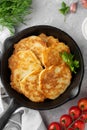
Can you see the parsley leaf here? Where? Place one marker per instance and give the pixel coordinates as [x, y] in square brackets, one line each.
[68, 58]
[64, 8]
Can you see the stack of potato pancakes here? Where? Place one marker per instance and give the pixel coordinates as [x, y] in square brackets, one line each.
[37, 69]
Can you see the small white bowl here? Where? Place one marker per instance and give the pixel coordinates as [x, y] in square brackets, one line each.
[84, 28]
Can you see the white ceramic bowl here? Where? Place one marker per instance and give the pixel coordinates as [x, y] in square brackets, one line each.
[84, 28]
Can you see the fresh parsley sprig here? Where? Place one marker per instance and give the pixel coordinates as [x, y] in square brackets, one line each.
[12, 12]
[64, 8]
[68, 58]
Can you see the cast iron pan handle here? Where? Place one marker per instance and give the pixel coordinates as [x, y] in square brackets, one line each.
[6, 115]
[13, 104]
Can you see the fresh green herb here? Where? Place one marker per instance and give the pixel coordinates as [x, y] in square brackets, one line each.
[64, 8]
[12, 12]
[69, 59]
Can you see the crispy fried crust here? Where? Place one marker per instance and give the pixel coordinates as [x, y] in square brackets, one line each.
[51, 55]
[34, 43]
[49, 40]
[21, 64]
[30, 87]
[55, 80]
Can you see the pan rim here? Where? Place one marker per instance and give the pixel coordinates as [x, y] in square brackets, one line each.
[50, 106]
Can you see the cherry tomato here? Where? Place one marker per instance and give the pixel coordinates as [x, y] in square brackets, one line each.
[54, 126]
[74, 112]
[65, 120]
[79, 125]
[82, 104]
[84, 116]
[70, 129]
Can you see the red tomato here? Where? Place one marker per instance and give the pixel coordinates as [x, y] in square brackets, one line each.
[79, 125]
[54, 126]
[70, 129]
[82, 103]
[84, 116]
[74, 112]
[65, 120]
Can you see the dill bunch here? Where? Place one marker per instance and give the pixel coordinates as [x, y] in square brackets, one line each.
[12, 12]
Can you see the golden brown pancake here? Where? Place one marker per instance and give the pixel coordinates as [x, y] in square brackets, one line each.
[49, 40]
[34, 43]
[30, 87]
[54, 80]
[52, 41]
[51, 55]
[43, 37]
[21, 64]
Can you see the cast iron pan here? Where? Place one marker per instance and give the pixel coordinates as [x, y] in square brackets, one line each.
[19, 100]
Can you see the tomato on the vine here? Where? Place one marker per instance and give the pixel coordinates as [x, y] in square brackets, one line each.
[74, 112]
[82, 103]
[84, 116]
[74, 120]
[65, 120]
[54, 126]
[79, 125]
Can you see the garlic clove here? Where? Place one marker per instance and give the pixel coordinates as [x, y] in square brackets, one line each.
[73, 7]
[84, 3]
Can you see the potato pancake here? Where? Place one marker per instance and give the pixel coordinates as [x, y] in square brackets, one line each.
[51, 55]
[21, 64]
[31, 89]
[54, 80]
[49, 40]
[34, 43]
